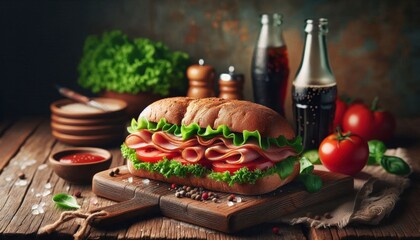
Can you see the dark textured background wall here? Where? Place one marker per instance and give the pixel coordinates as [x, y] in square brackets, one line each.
[374, 45]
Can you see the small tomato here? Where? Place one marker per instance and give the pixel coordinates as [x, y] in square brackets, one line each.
[344, 153]
[340, 109]
[369, 123]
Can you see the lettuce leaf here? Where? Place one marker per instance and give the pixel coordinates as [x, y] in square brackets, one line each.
[238, 139]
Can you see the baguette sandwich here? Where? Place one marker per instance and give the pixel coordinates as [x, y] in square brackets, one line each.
[222, 145]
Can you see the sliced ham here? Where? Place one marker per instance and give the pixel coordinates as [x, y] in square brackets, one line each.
[140, 139]
[215, 149]
[232, 156]
[171, 142]
[193, 154]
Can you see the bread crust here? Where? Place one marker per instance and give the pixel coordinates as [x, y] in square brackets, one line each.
[261, 186]
[238, 115]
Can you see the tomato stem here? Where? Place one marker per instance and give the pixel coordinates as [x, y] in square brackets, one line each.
[341, 136]
[374, 105]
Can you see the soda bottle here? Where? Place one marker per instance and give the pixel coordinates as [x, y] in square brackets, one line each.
[314, 89]
[270, 65]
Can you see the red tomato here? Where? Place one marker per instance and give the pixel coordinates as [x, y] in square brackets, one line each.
[153, 155]
[369, 124]
[258, 164]
[346, 154]
[340, 109]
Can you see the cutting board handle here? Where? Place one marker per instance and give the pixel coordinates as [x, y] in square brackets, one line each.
[123, 211]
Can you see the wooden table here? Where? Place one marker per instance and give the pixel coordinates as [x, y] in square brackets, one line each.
[26, 143]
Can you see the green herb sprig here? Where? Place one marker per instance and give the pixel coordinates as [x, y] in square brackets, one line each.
[391, 164]
[65, 201]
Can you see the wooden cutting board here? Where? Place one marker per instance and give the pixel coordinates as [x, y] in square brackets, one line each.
[141, 197]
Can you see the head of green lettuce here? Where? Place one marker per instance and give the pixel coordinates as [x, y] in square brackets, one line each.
[114, 62]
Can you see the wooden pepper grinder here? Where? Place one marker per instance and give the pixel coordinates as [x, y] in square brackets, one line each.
[231, 84]
[201, 80]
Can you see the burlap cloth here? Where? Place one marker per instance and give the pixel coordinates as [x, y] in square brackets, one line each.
[375, 195]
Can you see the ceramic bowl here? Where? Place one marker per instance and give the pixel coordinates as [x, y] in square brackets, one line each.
[80, 173]
[118, 108]
[95, 140]
[121, 120]
[87, 130]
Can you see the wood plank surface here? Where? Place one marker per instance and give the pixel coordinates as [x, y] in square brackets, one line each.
[13, 137]
[30, 139]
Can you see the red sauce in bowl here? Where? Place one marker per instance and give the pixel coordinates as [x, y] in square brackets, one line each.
[81, 158]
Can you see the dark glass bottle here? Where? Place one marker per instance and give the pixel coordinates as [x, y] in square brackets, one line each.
[314, 89]
[270, 65]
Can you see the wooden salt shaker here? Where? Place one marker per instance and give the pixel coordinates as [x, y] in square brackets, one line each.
[231, 84]
[201, 79]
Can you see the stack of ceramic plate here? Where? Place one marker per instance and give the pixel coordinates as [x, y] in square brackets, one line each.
[81, 125]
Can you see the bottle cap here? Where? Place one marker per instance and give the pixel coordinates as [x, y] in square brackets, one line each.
[322, 25]
[231, 76]
[276, 18]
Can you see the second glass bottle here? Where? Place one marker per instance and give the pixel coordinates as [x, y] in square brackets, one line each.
[270, 65]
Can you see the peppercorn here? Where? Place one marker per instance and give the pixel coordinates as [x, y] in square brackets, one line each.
[327, 215]
[112, 173]
[173, 186]
[117, 171]
[205, 196]
[231, 197]
[78, 194]
[21, 175]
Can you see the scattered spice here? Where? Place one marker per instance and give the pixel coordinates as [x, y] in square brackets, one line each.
[230, 203]
[275, 230]
[231, 198]
[112, 173]
[21, 175]
[42, 166]
[198, 194]
[144, 181]
[130, 179]
[117, 171]
[78, 194]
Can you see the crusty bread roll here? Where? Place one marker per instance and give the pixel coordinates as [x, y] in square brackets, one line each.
[237, 115]
[261, 186]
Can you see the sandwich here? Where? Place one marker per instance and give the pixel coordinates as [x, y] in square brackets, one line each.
[221, 145]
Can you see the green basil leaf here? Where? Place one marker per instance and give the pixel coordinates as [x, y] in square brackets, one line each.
[395, 165]
[286, 167]
[313, 183]
[312, 156]
[65, 201]
[306, 166]
[376, 151]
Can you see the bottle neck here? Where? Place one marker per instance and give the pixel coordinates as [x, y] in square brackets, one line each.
[315, 68]
[270, 36]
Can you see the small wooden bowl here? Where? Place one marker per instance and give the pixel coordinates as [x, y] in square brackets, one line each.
[56, 108]
[79, 173]
[96, 140]
[87, 130]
